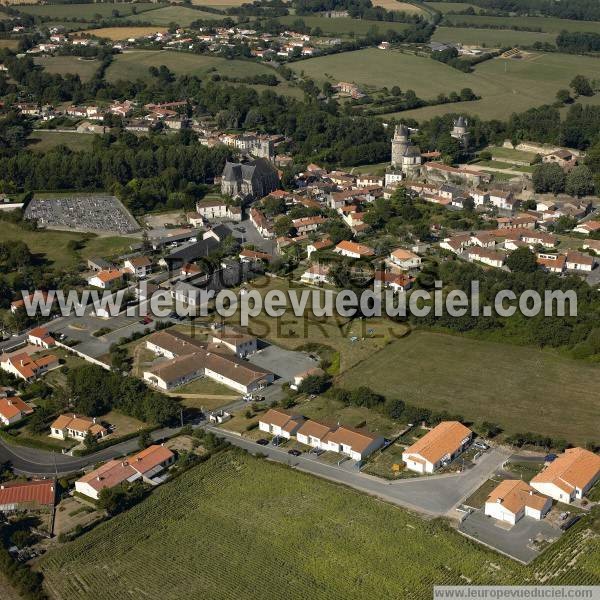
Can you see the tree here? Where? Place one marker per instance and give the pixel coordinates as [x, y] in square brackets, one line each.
[314, 384]
[580, 181]
[89, 441]
[395, 408]
[144, 440]
[564, 96]
[548, 177]
[283, 226]
[581, 86]
[521, 260]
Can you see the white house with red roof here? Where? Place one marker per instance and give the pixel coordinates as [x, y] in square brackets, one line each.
[13, 409]
[24, 367]
[354, 250]
[280, 423]
[140, 266]
[40, 336]
[27, 495]
[106, 279]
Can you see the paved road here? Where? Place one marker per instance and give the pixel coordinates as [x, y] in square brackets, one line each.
[435, 495]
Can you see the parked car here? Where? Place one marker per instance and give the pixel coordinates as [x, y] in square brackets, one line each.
[262, 442]
[480, 445]
[294, 452]
[550, 457]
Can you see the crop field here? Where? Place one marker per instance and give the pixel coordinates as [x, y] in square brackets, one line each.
[506, 86]
[124, 33]
[134, 65]
[344, 26]
[68, 64]
[490, 38]
[445, 7]
[546, 24]
[237, 526]
[42, 141]
[399, 6]
[520, 388]
[10, 44]
[181, 15]
[85, 11]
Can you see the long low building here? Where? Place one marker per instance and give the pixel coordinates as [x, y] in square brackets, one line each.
[437, 447]
[570, 476]
[144, 465]
[27, 495]
[190, 359]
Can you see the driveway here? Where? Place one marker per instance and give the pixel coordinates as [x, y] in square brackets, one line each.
[286, 364]
[513, 541]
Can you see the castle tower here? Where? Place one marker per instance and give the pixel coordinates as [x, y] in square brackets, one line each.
[400, 142]
[460, 131]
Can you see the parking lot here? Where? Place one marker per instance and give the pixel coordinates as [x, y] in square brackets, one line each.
[520, 541]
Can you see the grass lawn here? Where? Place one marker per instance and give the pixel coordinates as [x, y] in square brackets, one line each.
[445, 7]
[331, 338]
[506, 86]
[181, 15]
[134, 65]
[84, 11]
[123, 424]
[398, 6]
[52, 245]
[205, 385]
[477, 498]
[42, 141]
[510, 155]
[239, 526]
[343, 26]
[524, 470]
[375, 169]
[69, 64]
[491, 38]
[520, 388]
[546, 24]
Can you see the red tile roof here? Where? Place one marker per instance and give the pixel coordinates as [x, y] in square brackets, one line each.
[40, 492]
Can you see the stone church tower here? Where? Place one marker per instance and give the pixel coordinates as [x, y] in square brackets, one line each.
[460, 131]
[406, 156]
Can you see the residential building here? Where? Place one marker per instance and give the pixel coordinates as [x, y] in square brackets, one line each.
[140, 266]
[315, 274]
[492, 258]
[355, 443]
[13, 409]
[280, 423]
[215, 208]
[252, 256]
[576, 261]
[502, 199]
[313, 433]
[563, 158]
[553, 263]
[587, 227]
[405, 259]
[514, 499]
[106, 279]
[146, 466]
[308, 224]
[319, 245]
[31, 299]
[354, 250]
[24, 367]
[258, 219]
[570, 476]
[398, 282]
[40, 336]
[437, 447]
[519, 221]
[38, 494]
[76, 427]
[186, 294]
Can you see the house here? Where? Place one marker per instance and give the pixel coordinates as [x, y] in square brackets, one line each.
[319, 245]
[40, 336]
[405, 259]
[587, 227]
[106, 279]
[593, 245]
[195, 219]
[24, 367]
[140, 266]
[258, 219]
[553, 263]
[186, 294]
[27, 495]
[13, 409]
[457, 243]
[37, 296]
[247, 255]
[212, 208]
[308, 224]
[355, 443]
[300, 377]
[514, 499]
[503, 200]
[492, 258]
[437, 447]
[280, 423]
[483, 240]
[99, 264]
[145, 465]
[536, 237]
[563, 158]
[76, 427]
[353, 250]
[570, 476]
[398, 282]
[576, 261]
[527, 221]
[241, 344]
[315, 274]
[313, 433]
[480, 197]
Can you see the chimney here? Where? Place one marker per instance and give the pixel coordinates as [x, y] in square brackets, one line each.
[94, 420]
[499, 500]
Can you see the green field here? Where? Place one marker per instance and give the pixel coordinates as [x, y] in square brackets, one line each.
[181, 15]
[134, 65]
[237, 527]
[490, 38]
[42, 141]
[10, 44]
[520, 388]
[509, 154]
[84, 11]
[52, 245]
[344, 26]
[546, 24]
[68, 64]
[445, 7]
